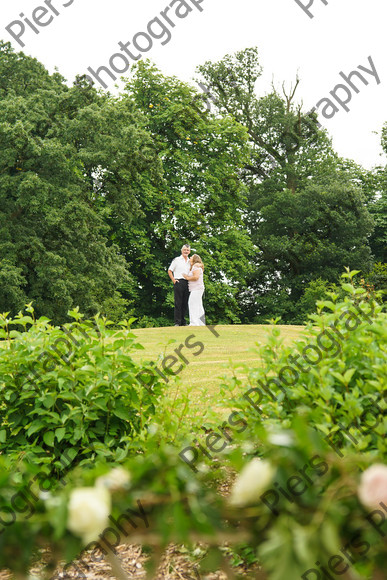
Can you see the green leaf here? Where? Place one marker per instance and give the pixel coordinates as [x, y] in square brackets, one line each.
[122, 413]
[25, 320]
[329, 536]
[60, 433]
[48, 438]
[348, 288]
[348, 375]
[35, 426]
[121, 454]
[49, 401]
[89, 368]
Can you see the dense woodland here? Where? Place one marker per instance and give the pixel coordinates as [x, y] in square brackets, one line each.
[98, 193]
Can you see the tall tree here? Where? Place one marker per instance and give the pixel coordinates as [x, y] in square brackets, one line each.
[201, 202]
[71, 162]
[378, 207]
[373, 183]
[306, 218]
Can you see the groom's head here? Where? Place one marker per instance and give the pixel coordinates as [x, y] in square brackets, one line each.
[185, 250]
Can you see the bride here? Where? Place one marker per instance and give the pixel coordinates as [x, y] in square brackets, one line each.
[196, 289]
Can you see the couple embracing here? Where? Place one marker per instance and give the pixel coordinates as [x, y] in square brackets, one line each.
[187, 277]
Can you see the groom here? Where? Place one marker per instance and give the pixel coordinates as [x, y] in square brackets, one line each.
[178, 267]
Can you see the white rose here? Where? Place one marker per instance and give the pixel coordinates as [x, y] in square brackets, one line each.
[88, 511]
[251, 482]
[118, 478]
[373, 486]
[284, 439]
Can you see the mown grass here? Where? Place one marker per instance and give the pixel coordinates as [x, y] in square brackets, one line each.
[200, 379]
[204, 373]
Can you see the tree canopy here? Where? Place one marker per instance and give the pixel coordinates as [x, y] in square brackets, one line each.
[98, 193]
[306, 217]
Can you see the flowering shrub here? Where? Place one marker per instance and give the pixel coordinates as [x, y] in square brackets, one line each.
[88, 512]
[253, 480]
[298, 505]
[308, 498]
[373, 488]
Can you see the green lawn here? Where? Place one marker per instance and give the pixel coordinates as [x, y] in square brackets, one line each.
[203, 373]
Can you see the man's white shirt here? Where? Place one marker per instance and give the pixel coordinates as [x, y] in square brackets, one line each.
[179, 267]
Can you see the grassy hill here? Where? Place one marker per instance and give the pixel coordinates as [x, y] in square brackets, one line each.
[208, 358]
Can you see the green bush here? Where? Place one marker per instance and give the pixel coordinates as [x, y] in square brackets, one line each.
[298, 505]
[376, 279]
[317, 290]
[335, 375]
[11, 283]
[72, 388]
[314, 291]
[151, 322]
[285, 531]
[115, 308]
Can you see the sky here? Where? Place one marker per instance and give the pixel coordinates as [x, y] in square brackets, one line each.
[314, 39]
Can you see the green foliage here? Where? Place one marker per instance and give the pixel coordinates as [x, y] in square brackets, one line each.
[321, 513]
[334, 376]
[287, 146]
[314, 291]
[373, 183]
[11, 284]
[151, 322]
[71, 168]
[319, 473]
[302, 236]
[21, 75]
[306, 210]
[98, 193]
[376, 279]
[378, 210]
[71, 389]
[242, 555]
[201, 201]
[181, 506]
[177, 506]
[115, 307]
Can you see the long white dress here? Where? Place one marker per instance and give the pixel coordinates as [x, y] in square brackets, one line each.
[195, 301]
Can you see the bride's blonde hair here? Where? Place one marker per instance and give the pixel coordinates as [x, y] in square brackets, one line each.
[196, 259]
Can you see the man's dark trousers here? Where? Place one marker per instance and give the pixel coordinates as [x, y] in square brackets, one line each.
[181, 294]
